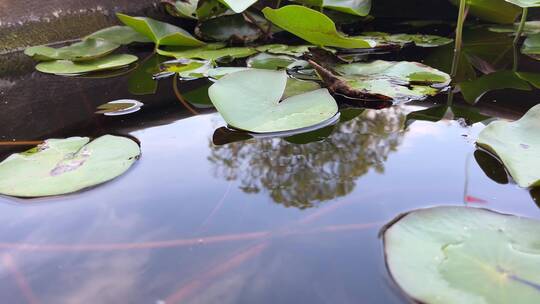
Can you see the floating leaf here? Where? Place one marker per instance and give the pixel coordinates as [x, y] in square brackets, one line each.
[273, 62]
[525, 3]
[250, 100]
[398, 81]
[238, 6]
[312, 26]
[283, 49]
[182, 8]
[209, 52]
[353, 7]
[65, 67]
[517, 144]
[120, 35]
[185, 68]
[531, 27]
[60, 166]
[228, 28]
[420, 40]
[464, 255]
[160, 33]
[473, 90]
[81, 51]
[119, 107]
[531, 46]
[498, 11]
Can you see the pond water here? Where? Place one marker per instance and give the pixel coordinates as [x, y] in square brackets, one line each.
[263, 220]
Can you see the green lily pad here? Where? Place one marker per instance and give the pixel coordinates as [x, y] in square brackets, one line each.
[517, 144]
[228, 28]
[65, 67]
[81, 51]
[531, 46]
[250, 101]
[525, 3]
[272, 62]
[60, 166]
[353, 7]
[119, 107]
[238, 6]
[283, 49]
[464, 255]
[312, 26]
[182, 8]
[160, 33]
[531, 27]
[420, 40]
[473, 90]
[208, 52]
[498, 11]
[120, 35]
[398, 81]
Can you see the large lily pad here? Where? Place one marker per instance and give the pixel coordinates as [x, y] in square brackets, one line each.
[208, 52]
[498, 11]
[250, 101]
[66, 67]
[160, 33]
[312, 26]
[283, 49]
[525, 3]
[531, 27]
[517, 144]
[229, 28]
[464, 255]
[353, 7]
[398, 81]
[120, 35]
[60, 166]
[80, 51]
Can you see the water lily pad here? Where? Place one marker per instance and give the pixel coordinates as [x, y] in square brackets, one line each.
[291, 50]
[498, 11]
[517, 144]
[531, 46]
[60, 166]
[531, 27]
[398, 81]
[209, 52]
[160, 33]
[353, 7]
[65, 67]
[182, 8]
[250, 101]
[464, 255]
[473, 90]
[238, 6]
[228, 28]
[273, 62]
[312, 26]
[80, 51]
[119, 107]
[420, 40]
[120, 35]
[525, 3]
[185, 68]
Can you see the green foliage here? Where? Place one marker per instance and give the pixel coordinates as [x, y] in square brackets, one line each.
[70, 68]
[60, 166]
[517, 145]
[250, 100]
[464, 255]
[81, 51]
[312, 26]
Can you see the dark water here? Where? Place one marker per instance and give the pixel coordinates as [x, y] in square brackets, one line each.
[256, 221]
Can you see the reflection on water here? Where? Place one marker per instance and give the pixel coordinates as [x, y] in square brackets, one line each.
[303, 175]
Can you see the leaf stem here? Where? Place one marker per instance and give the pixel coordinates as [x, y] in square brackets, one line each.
[519, 32]
[459, 37]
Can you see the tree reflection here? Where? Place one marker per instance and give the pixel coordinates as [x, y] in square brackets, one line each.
[303, 175]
